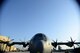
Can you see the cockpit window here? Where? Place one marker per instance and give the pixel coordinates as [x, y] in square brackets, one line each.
[40, 36]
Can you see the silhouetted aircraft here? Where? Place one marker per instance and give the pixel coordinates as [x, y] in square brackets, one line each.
[40, 44]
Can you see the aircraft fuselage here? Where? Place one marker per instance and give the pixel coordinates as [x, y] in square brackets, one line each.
[40, 44]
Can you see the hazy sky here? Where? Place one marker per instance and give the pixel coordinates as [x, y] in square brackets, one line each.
[57, 19]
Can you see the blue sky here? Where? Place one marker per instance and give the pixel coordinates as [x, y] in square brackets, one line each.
[57, 19]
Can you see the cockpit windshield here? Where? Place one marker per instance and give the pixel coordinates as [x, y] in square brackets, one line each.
[40, 36]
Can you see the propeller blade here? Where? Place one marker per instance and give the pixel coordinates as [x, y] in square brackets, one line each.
[53, 41]
[56, 40]
[71, 39]
[12, 39]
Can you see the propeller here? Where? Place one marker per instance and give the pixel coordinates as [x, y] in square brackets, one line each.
[55, 43]
[71, 43]
[9, 41]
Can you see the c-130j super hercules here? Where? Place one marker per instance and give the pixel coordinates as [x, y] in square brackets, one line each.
[40, 44]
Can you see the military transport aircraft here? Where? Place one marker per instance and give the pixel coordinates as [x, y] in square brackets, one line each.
[41, 44]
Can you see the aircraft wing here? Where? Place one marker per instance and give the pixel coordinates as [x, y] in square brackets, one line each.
[3, 42]
[14, 43]
[70, 44]
[19, 43]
